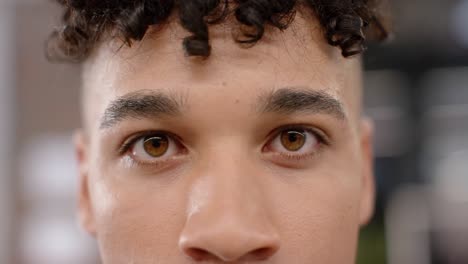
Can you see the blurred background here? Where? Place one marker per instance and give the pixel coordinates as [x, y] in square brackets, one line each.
[416, 91]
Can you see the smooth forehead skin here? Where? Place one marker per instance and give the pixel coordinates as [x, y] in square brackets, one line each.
[298, 56]
[225, 200]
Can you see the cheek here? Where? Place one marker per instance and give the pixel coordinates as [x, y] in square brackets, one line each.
[136, 218]
[319, 212]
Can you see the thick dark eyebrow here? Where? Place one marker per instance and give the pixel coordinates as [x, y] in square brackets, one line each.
[138, 105]
[289, 101]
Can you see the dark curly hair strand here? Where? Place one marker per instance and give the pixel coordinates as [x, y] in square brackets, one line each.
[345, 22]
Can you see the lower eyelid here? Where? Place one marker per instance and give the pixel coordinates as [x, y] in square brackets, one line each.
[130, 162]
[288, 160]
[301, 155]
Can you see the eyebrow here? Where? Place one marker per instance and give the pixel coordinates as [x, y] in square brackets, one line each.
[287, 101]
[141, 104]
[293, 100]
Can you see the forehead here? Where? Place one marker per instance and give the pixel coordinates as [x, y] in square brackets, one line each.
[296, 57]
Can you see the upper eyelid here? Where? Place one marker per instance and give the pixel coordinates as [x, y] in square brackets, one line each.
[322, 136]
[131, 140]
[124, 146]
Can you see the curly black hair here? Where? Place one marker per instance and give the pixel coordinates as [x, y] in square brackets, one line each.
[345, 22]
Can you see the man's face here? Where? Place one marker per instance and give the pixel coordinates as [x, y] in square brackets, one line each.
[250, 155]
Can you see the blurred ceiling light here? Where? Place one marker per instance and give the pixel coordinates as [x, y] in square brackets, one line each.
[386, 103]
[48, 169]
[451, 179]
[407, 225]
[53, 240]
[460, 22]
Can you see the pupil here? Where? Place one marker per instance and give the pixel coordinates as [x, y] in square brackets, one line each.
[156, 146]
[293, 140]
[156, 142]
[293, 136]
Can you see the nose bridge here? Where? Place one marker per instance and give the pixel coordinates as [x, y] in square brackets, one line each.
[226, 215]
[228, 168]
[230, 171]
[226, 188]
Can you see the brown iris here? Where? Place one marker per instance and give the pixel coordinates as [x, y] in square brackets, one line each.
[156, 146]
[293, 140]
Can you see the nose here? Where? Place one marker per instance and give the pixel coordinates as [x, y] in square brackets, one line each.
[228, 246]
[228, 221]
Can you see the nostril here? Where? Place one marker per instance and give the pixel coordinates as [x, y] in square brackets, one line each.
[229, 247]
[261, 253]
[198, 254]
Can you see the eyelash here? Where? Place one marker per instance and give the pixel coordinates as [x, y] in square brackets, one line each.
[322, 138]
[128, 144]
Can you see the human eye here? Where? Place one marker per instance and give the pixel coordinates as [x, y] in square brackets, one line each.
[152, 148]
[295, 143]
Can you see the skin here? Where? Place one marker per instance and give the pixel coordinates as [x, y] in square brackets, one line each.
[230, 194]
